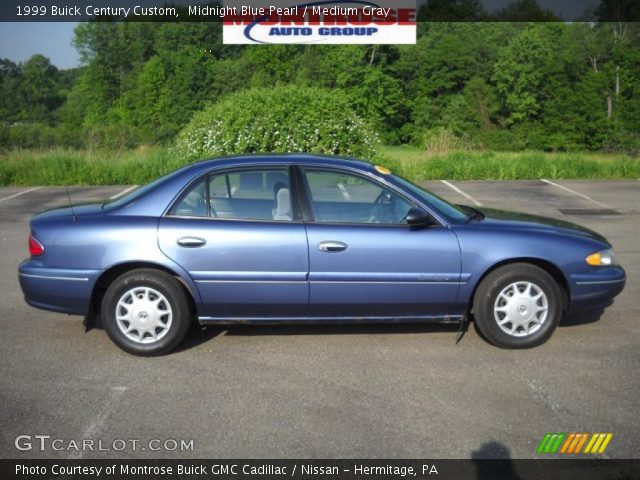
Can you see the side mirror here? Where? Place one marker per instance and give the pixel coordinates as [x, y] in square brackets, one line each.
[417, 217]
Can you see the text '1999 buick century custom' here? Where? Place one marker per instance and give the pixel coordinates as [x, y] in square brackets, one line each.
[302, 238]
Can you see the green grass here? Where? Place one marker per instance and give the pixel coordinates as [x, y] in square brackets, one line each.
[84, 167]
[417, 164]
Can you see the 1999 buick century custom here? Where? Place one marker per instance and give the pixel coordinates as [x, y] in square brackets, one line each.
[301, 238]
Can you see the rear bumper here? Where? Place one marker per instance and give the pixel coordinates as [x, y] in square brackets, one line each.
[55, 289]
[596, 289]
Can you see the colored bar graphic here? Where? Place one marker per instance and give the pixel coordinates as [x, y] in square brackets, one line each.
[550, 442]
[598, 442]
[543, 444]
[568, 442]
[574, 442]
[581, 443]
[590, 444]
[557, 443]
[605, 443]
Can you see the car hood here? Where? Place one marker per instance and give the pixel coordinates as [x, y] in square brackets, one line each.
[78, 210]
[516, 220]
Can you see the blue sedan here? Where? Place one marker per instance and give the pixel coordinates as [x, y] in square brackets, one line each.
[302, 238]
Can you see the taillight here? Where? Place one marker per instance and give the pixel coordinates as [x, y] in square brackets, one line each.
[35, 247]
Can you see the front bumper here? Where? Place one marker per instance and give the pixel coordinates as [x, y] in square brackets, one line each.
[56, 289]
[596, 289]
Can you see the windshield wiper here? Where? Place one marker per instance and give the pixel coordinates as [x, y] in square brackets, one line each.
[474, 214]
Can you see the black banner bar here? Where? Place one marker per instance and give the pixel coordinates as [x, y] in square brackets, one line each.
[548, 469]
[427, 10]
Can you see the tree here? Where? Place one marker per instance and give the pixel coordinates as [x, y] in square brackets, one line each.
[549, 85]
[451, 11]
[10, 74]
[618, 11]
[437, 69]
[525, 11]
[38, 90]
[521, 70]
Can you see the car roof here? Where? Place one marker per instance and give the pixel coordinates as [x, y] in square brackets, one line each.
[282, 158]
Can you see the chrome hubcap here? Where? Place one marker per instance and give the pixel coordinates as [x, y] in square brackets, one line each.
[143, 315]
[521, 309]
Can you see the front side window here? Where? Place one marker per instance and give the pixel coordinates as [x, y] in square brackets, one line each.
[339, 197]
[451, 212]
[248, 194]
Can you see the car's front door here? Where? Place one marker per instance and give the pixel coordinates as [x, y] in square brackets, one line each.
[237, 235]
[365, 261]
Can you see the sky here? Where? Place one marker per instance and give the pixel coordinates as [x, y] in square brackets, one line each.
[19, 41]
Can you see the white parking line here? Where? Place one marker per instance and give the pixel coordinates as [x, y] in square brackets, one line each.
[18, 194]
[464, 194]
[582, 195]
[94, 427]
[125, 191]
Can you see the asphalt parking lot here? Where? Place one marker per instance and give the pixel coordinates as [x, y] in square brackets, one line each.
[381, 391]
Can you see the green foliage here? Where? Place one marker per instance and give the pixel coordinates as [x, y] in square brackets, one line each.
[38, 88]
[415, 164]
[451, 10]
[525, 11]
[36, 135]
[363, 73]
[30, 92]
[105, 167]
[84, 167]
[548, 85]
[279, 119]
[441, 140]
[520, 72]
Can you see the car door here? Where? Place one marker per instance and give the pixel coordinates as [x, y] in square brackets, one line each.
[242, 241]
[364, 260]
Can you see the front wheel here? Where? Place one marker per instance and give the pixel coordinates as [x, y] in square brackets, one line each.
[518, 306]
[145, 312]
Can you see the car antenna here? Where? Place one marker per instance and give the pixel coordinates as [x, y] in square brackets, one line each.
[73, 213]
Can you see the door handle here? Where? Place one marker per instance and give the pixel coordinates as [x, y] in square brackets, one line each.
[191, 242]
[332, 247]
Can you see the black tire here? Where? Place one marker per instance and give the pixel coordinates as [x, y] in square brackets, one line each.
[173, 299]
[486, 299]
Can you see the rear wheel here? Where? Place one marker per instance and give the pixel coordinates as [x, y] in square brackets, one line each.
[145, 312]
[518, 306]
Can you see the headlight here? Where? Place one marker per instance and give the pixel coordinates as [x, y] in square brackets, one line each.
[602, 258]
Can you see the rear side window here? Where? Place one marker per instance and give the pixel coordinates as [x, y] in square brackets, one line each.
[248, 194]
[193, 202]
[139, 192]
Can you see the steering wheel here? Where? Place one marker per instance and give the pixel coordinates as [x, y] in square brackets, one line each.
[381, 212]
[378, 207]
[382, 196]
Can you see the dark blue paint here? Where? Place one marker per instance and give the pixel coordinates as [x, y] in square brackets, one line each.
[419, 275]
[273, 271]
[245, 268]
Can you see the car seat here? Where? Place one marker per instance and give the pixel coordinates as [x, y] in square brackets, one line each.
[283, 205]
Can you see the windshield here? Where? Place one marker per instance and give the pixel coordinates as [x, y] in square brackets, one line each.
[450, 212]
[135, 194]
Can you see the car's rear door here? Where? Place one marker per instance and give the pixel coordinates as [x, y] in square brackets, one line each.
[365, 261]
[241, 240]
